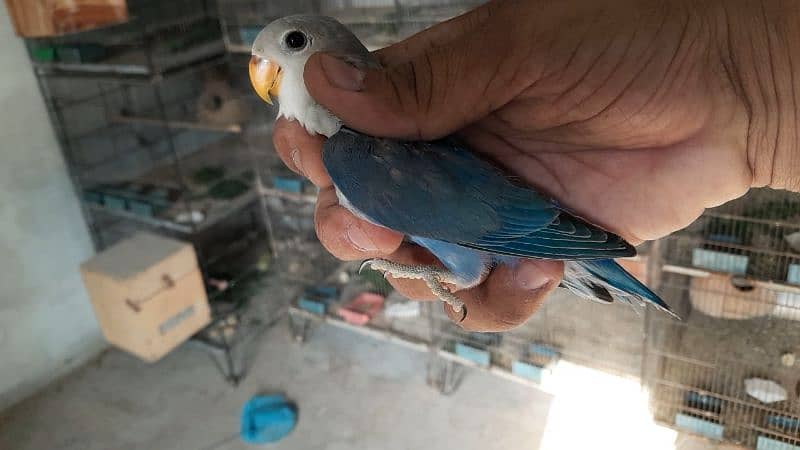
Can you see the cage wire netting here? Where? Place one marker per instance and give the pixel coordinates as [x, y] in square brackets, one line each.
[162, 133]
[376, 22]
[727, 370]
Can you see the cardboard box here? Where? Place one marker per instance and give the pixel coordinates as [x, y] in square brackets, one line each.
[148, 294]
[41, 18]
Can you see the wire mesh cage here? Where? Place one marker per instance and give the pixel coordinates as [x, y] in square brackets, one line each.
[159, 127]
[157, 37]
[168, 155]
[734, 277]
[156, 125]
[376, 22]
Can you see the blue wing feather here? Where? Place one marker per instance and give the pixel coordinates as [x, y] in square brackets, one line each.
[468, 214]
[439, 190]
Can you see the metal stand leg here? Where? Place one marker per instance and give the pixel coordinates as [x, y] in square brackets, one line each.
[444, 375]
[299, 327]
[232, 349]
[232, 374]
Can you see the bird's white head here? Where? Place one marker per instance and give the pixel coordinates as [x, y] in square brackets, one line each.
[279, 56]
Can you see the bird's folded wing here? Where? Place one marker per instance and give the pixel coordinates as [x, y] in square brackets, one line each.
[440, 190]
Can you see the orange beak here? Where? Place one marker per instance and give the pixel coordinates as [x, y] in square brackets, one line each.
[265, 76]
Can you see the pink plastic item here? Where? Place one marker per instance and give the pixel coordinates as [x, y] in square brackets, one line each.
[362, 308]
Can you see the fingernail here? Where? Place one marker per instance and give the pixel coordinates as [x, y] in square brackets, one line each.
[340, 74]
[529, 276]
[360, 239]
[297, 161]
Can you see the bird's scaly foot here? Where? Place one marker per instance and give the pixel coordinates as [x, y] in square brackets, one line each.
[433, 276]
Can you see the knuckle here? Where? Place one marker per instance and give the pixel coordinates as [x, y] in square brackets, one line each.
[402, 80]
[412, 87]
[424, 79]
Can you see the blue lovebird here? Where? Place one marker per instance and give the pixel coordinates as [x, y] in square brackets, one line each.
[443, 197]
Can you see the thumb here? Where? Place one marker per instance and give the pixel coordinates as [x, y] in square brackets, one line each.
[434, 93]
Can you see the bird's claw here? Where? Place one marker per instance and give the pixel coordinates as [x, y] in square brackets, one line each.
[364, 264]
[434, 278]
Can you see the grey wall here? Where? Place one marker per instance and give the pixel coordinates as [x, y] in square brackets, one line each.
[46, 323]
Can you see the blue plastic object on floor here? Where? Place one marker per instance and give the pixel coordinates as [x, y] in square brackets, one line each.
[267, 418]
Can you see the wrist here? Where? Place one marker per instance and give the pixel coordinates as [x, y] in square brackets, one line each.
[760, 43]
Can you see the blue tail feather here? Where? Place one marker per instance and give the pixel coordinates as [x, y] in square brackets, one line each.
[613, 274]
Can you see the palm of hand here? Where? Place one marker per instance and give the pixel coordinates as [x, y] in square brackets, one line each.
[639, 167]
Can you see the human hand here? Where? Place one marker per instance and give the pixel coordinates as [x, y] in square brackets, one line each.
[637, 115]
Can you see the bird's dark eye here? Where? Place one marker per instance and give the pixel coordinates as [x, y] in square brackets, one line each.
[295, 40]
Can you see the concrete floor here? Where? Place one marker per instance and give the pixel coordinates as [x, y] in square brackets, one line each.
[352, 393]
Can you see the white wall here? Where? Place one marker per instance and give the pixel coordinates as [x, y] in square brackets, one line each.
[46, 323]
